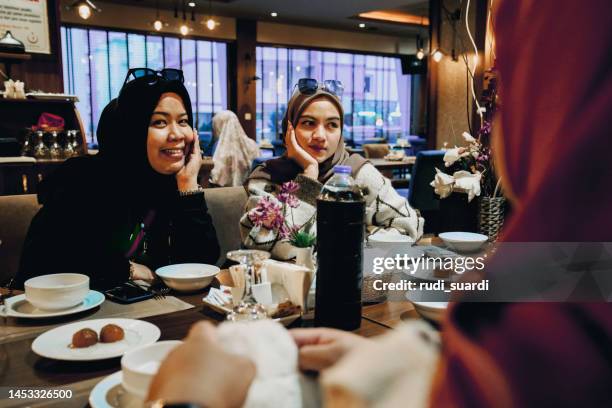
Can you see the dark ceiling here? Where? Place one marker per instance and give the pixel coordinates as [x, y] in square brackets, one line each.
[338, 14]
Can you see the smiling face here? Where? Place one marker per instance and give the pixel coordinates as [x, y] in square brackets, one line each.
[169, 136]
[318, 129]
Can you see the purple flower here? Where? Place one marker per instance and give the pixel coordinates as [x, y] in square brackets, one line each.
[290, 187]
[289, 199]
[267, 213]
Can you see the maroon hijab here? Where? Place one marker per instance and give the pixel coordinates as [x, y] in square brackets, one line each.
[556, 91]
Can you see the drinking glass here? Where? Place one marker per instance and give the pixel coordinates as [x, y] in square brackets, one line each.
[248, 309]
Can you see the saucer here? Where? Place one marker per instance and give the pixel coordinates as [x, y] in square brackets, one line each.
[18, 306]
[109, 393]
[55, 343]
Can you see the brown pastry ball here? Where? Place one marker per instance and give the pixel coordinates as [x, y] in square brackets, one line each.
[84, 338]
[111, 333]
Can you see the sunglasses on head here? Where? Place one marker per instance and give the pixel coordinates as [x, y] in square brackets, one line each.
[151, 76]
[309, 86]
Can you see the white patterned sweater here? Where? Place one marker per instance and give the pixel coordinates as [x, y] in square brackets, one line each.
[386, 211]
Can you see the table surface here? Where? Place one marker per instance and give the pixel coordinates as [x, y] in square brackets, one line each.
[19, 366]
[389, 164]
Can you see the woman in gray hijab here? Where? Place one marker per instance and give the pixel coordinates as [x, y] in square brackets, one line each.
[313, 136]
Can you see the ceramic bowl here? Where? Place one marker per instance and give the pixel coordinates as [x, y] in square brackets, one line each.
[139, 366]
[188, 277]
[463, 241]
[57, 291]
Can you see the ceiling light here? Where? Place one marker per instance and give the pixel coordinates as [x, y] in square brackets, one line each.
[191, 4]
[184, 29]
[158, 25]
[274, 14]
[437, 55]
[84, 8]
[420, 54]
[211, 24]
[361, 25]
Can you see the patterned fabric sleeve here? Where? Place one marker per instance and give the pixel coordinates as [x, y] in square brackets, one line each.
[385, 208]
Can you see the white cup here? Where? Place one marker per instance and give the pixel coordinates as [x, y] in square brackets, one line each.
[139, 366]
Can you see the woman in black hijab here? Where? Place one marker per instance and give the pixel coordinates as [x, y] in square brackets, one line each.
[136, 205]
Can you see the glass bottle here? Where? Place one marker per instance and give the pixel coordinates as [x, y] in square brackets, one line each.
[26, 148]
[55, 152]
[68, 147]
[41, 151]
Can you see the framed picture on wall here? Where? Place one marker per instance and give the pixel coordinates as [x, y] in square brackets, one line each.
[28, 21]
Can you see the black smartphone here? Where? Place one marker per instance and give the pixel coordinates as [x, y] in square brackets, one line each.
[127, 294]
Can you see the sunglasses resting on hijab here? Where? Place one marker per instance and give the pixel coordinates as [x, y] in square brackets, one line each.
[136, 205]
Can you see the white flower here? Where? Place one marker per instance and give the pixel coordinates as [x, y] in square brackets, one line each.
[452, 155]
[468, 182]
[468, 138]
[442, 183]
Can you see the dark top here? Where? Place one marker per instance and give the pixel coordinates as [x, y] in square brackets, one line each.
[85, 225]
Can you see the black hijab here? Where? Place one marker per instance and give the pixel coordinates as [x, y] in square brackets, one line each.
[124, 148]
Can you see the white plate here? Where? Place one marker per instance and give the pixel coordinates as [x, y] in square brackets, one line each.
[463, 241]
[55, 342]
[18, 306]
[109, 393]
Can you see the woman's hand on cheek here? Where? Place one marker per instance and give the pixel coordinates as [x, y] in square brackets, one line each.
[187, 177]
[295, 152]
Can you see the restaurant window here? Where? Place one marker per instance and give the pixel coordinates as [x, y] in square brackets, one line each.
[376, 95]
[96, 62]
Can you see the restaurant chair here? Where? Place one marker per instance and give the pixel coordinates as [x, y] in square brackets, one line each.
[225, 206]
[375, 151]
[16, 212]
[421, 194]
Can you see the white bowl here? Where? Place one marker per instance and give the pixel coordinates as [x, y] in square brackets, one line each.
[187, 277]
[431, 310]
[57, 291]
[463, 241]
[139, 366]
[388, 241]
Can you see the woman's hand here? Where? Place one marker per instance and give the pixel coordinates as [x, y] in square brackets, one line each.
[295, 152]
[322, 348]
[200, 371]
[141, 272]
[187, 177]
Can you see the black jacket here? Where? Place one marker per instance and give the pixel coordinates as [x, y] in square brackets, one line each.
[84, 227]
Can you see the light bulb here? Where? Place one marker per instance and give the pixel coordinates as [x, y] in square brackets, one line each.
[84, 11]
[361, 25]
[184, 29]
[420, 54]
[210, 24]
[274, 14]
[437, 55]
[158, 25]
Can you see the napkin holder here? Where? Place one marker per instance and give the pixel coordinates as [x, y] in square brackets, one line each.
[295, 280]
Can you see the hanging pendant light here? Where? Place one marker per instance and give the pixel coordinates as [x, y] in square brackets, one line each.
[420, 54]
[158, 24]
[210, 22]
[184, 29]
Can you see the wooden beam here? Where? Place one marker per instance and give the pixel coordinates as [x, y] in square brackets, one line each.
[435, 21]
[244, 59]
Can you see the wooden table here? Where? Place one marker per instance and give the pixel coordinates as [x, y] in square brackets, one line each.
[386, 167]
[20, 367]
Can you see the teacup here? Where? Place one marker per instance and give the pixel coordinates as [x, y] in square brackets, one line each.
[57, 291]
[139, 366]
